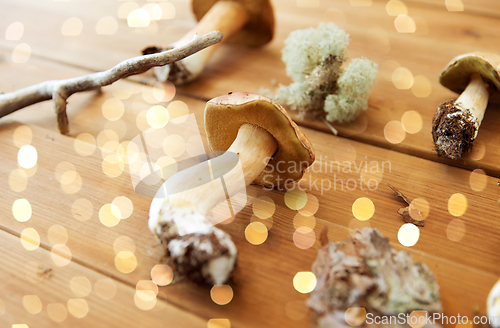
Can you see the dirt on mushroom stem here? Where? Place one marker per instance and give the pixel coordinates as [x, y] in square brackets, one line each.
[453, 130]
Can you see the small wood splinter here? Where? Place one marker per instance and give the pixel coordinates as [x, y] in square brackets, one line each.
[408, 211]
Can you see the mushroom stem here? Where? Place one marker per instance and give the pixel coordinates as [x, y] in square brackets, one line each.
[475, 98]
[456, 123]
[227, 17]
[180, 221]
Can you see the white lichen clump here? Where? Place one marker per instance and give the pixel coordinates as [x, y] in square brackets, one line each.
[321, 86]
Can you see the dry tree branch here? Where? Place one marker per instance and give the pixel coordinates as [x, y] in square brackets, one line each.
[60, 90]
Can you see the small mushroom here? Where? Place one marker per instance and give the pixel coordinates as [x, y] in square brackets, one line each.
[272, 152]
[493, 306]
[247, 22]
[456, 122]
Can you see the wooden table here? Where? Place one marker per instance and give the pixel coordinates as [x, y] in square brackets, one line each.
[65, 267]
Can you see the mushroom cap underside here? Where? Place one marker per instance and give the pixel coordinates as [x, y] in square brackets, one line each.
[456, 75]
[225, 114]
[259, 29]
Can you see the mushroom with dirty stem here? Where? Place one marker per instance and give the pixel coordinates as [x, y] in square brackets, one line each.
[493, 306]
[272, 152]
[456, 123]
[247, 22]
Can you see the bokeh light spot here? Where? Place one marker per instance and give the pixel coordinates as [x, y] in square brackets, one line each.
[412, 122]
[174, 145]
[106, 25]
[72, 27]
[138, 18]
[405, 24]
[167, 10]
[154, 10]
[125, 262]
[457, 204]
[82, 209]
[57, 234]
[78, 307]
[408, 234]
[113, 109]
[263, 207]
[402, 78]
[21, 209]
[14, 31]
[157, 116]
[109, 215]
[355, 316]
[295, 199]
[162, 274]
[61, 255]
[80, 286]
[478, 180]
[394, 132]
[18, 180]
[84, 144]
[221, 294]
[454, 5]
[311, 207]
[421, 87]
[27, 156]
[105, 288]
[30, 239]
[176, 110]
[478, 151]
[363, 208]
[396, 8]
[125, 206]
[32, 304]
[455, 231]
[57, 312]
[256, 233]
[300, 220]
[22, 136]
[419, 209]
[219, 323]
[304, 282]
[304, 237]
[21, 53]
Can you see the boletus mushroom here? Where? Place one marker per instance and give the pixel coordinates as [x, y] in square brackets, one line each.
[247, 22]
[456, 123]
[272, 152]
[493, 306]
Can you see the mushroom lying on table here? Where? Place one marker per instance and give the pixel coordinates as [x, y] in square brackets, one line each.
[247, 22]
[456, 123]
[272, 152]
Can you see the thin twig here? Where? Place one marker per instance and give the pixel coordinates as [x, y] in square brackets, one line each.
[60, 90]
[328, 124]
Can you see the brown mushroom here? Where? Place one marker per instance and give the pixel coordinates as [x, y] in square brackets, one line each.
[272, 152]
[456, 123]
[248, 22]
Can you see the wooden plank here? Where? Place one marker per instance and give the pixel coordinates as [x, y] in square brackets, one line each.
[439, 37]
[72, 295]
[469, 261]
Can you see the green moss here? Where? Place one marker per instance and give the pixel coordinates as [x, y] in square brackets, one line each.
[314, 58]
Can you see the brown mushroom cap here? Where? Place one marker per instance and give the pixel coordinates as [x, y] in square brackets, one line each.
[456, 75]
[225, 114]
[260, 27]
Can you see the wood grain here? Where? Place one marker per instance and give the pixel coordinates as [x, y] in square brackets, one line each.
[22, 276]
[263, 291]
[235, 68]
